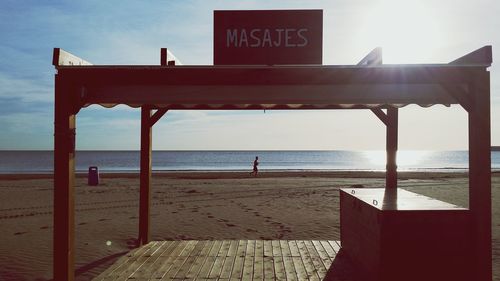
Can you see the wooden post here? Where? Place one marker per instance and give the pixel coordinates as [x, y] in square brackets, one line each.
[64, 178]
[145, 193]
[480, 175]
[391, 177]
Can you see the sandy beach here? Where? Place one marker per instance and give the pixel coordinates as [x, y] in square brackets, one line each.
[193, 205]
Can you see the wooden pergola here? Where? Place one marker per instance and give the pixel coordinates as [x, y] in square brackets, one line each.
[367, 85]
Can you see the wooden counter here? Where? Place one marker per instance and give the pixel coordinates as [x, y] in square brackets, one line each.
[401, 235]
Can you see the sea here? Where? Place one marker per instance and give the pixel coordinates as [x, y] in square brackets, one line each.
[129, 161]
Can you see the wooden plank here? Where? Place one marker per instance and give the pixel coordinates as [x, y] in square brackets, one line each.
[160, 262]
[237, 272]
[176, 264]
[259, 248]
[480, 175]
[391, 148]
[301, 245]
[481, 57]
[268, 248]
[206, 249]
[294, 249]
[242, 248]
[310, 268]
[192, 250]
[279, 268]
[326, 247]
[184, 269]
[233, 248]
[258, 268]
[285, 249]
[195, 269]
[123, 266]
[134, 262]
[320, 266]
[150, 258]
[207, 267]
[227, 268]
[291, 274]
[269, 268]
[215, 248]
[299, 268]
[248, 268]
[313, 251]
[191, 244]
[167, 259]
[145, 177]
[321, 262]
[276, 248]
[147, 270]
[176, 250]
[320, 250]
[216, 270]
[64, 182]
[335, 245]
[250, 251]
[224, 249]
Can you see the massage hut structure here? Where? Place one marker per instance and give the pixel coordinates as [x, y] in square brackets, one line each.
[385, 213]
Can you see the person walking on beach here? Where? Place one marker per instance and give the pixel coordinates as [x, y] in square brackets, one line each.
[255, 164]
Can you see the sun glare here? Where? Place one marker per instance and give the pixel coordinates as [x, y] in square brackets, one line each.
[404, 158]
[407, 31]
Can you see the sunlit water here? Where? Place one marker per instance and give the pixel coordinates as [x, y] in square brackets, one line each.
[123, 161]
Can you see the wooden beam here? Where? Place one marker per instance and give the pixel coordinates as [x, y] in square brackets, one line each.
[60, 57]
[268, 85]
[381, 115]
[145, 177]
[460, 94]
[480, 57]
[163, 57]
[64, 179]
[157, 115]
[167, 58]
[392, 148]
[480, 175]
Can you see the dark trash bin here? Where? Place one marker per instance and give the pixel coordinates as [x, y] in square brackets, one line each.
[93, 178]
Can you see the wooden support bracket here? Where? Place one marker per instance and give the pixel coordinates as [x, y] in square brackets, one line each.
[460, 94]
[156, 116]
[381, 115]
[167, 58]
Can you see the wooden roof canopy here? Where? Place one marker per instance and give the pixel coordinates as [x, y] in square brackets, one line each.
[367, 85]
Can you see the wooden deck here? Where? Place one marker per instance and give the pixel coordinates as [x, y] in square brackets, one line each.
[226, 260]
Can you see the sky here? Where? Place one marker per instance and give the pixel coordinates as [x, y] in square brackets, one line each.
[132, 32]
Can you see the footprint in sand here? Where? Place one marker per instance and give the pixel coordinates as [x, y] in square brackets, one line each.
[20, 233]
[82, 223]
[210, 217]
[251, 230]
[230, 225]
[103, 219]
[44, 227]
[222, 220]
